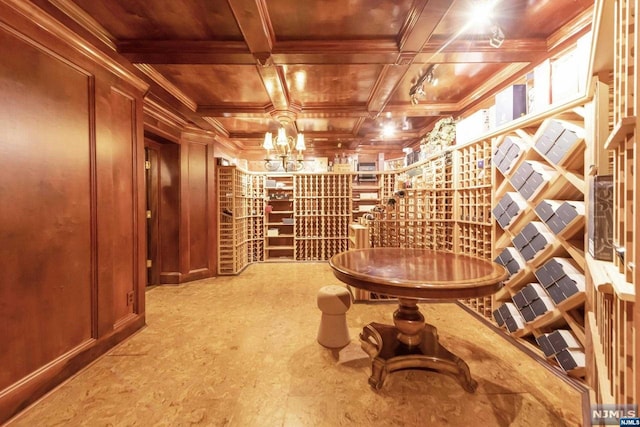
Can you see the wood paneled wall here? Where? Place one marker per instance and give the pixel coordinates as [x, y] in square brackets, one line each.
[72, 270]
[73, 120]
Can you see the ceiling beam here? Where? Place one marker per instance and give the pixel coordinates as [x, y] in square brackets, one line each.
[421, 23]
[312, 52]
[186, 52]
[416, 32]
[254, 23]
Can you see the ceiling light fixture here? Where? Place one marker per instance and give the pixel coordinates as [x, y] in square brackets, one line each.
[482, 12]
[284, 151]
[497, 36]
[388, 130]
[417, 90]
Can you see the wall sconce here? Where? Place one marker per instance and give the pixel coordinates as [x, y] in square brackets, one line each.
[284, 152]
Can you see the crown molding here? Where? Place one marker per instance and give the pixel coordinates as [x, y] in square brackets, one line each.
[158, 78]
[52, 26]
[74, 12]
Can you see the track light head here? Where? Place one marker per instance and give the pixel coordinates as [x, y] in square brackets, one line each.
[497, 36]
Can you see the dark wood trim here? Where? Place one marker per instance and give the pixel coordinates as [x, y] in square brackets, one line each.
[21, 395]
[152, 187]
[93, 195]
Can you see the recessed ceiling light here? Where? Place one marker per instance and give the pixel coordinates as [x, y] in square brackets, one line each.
[482, 11]
[388, 130]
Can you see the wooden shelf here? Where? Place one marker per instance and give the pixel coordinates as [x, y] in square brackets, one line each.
[283, 244]
[362, 187]
[623, 128]
[280, 259]
[562, 179]
[608, 280]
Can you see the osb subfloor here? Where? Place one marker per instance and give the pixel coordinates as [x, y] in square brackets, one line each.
[242, 351]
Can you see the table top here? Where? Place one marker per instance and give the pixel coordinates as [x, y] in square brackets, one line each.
[418, 273]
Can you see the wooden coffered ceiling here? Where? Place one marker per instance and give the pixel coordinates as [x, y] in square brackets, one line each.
[338, 70]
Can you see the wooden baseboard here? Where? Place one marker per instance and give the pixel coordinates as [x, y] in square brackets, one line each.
[21, 395]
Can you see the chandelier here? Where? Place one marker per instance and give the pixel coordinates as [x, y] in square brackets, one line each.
[286, 153]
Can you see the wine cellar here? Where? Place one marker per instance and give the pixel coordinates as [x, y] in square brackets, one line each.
[305, 174]
[518, 197]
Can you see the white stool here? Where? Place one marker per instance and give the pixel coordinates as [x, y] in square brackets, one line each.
[334, 301]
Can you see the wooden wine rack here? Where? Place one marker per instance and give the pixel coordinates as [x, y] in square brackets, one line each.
[322, 204]
[612, 320]
[473, 204]
[240, 219]
[540, 167]
[420, 216]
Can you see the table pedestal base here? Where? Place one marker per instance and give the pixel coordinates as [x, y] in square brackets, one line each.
[386, 346]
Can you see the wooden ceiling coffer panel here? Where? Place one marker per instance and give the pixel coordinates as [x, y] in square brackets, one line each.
[329, 59]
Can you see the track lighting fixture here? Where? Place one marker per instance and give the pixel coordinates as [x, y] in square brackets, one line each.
[497, 36]
[417, 90]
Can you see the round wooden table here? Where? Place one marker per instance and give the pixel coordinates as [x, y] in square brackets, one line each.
[413, 275]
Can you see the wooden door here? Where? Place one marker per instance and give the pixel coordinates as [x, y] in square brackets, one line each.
[152, 156]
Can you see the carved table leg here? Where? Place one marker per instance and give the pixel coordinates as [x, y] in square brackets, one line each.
[409, 321]
[410, 344]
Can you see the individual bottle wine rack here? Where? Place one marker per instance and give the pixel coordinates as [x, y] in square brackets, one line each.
[322, 206]
[613, 279]
[388, 185]
[254, 202]
[420, 216]
[240, 229]
[226, 232]
[539, 213]
[473, 206]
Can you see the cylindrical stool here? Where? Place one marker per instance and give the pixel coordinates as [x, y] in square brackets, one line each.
[334, 301]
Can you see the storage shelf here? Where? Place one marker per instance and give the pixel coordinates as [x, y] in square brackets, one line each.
[623, 128]
[280, 259]
[543, 178]
[608, 280]
[286, 188]
[552, 318]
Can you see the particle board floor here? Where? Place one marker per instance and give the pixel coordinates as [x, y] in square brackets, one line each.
[241, 351]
